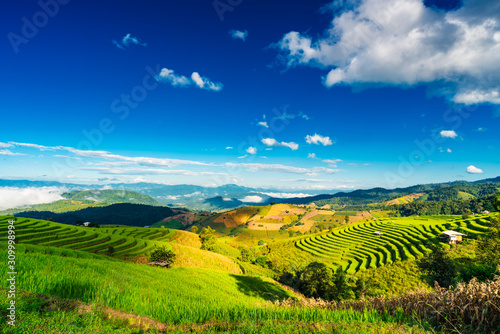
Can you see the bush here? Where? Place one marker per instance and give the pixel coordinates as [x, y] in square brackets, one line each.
[162, 254]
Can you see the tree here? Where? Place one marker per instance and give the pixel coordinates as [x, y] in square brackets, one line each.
[316, 281]
[488, 247]
[341, 290]
[162, 254]
[347, 219]
[496, 203]
[207, 238]
[360, 288]
[439, 267]
[194, 229]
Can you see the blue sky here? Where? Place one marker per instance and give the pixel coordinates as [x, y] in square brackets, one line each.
[288, 94]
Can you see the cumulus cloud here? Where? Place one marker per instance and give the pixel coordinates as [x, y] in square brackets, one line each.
[271, 142]
[169, 76]
[318, 139]
[238, 34]
[448, 134]
[11, 197]
[402, 42]
[127, 41]
[229, 148]
[312, 155]
[474, 170]
[5, 145]
[263, 124]
[251, 150]
[205, 83]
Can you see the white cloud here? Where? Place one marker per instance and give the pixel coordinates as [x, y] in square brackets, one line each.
[448, 150]
[5, 145]
[11, 197]
[128, 40]
[169, 76]
[138, 171]
[7, 152]
[287, 195]
[264, 124]
[481, 129]
[448, 134]
[332, 162]
[205, 83]
[312, 155]
[243, 156]
[474, 170]
[251, 199]
[271, 142]
[402, 42]
[318, 139]
[119, 159]
[229, 148]
[278, 168]
[238, 34]
[251, 150]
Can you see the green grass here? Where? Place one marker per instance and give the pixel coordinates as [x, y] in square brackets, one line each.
[173, 296]
[39, 314]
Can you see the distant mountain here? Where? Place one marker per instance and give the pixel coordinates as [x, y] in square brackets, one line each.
[120, 214]
[111, 197]
[457, 190]
[232, 196]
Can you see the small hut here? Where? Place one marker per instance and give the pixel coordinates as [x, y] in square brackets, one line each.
[378, 233]
[451, 237]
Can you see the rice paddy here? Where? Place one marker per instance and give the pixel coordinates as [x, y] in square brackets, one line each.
[114, 241]
[377, 242]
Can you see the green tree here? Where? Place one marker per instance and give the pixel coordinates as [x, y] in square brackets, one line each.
[316, 281]
[347, 219]
[360, 288]
[207, 238]
[439, 267]
[341, 289]
[488, 247]
[162, 254]
[496, 203]
[194, 229]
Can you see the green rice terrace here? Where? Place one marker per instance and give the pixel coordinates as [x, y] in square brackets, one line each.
[119, 242]
[377, 242]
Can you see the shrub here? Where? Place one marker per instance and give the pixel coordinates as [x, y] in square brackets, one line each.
[162, 254]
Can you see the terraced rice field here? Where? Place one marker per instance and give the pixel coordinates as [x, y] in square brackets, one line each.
[357, 247]
[125, 241]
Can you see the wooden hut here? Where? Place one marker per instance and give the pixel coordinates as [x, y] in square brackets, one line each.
[451, 237]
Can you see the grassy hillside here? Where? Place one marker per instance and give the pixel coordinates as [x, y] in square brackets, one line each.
[179, 298]
[56, 207]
